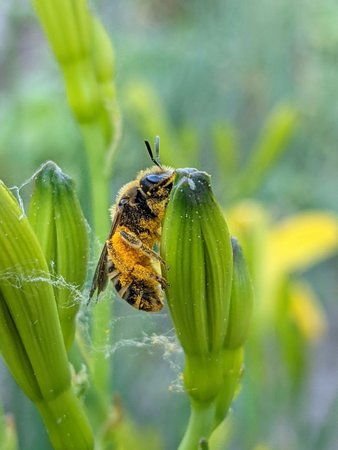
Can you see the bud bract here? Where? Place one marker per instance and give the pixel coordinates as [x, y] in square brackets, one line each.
[210, 300]
[241, 300]
[239, 318]
[30, 334]
[56, 217]
[196, 246]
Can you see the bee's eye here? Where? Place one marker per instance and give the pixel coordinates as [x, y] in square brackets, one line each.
[154, 179]
[151, 180]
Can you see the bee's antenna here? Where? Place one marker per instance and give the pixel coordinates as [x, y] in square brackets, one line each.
[157, 150]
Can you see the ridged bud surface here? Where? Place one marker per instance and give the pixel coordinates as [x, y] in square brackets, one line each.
[196, 246]
[56, 217]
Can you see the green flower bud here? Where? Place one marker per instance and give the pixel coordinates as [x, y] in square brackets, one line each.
[66, 24]
[103, 59]
[31, 339]
[197, 248]
[241, 300]
[239, 318]
[56, 217]
[83, 92]
[28, 294]
[103, 53]
[15, 355]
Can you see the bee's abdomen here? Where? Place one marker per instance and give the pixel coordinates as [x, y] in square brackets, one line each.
[140, 294]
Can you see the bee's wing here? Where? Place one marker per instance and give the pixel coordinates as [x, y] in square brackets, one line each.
[100, 278]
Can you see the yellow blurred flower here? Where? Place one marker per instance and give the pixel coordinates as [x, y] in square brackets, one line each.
[262, 447]
[306, 311]
[274, 251]
[303, 240]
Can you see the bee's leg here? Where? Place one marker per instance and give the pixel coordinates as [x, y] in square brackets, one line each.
[123, 291]
[162, 281]
[135, 242]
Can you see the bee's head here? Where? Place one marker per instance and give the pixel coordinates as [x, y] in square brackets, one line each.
[157, 184]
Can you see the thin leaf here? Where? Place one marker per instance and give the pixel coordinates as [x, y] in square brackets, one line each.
[277, 133]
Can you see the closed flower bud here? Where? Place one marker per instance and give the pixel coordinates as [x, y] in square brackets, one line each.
[103, 59]
[102, 53]
[210, 300]
[239, 319]
[197, 248]
[14, 353]
[83, 92]
[241, 300]
[31, 338]
[57, 219]
[28, 295]
[66, 24]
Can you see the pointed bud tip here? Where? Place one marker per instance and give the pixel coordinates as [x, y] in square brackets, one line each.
[192, 184]
[50, 172]
[192, 177]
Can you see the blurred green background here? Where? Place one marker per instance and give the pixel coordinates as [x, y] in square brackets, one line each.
[211, 78]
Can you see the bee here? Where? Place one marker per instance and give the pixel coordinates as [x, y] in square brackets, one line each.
[128, 255]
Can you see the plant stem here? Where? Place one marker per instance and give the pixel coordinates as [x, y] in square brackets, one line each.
[199, 426]
[102, 313]
[66, 422]
[96, 153]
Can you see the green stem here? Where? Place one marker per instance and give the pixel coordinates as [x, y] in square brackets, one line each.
[200, 425]
[96, 155]
[102, 313]
[66, 422]
[96, 401]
